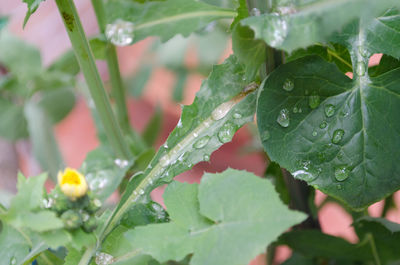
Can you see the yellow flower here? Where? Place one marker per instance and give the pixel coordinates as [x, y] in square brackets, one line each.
[72, 183]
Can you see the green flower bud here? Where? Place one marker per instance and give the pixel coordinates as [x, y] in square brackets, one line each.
[72, 219]
[90, 224]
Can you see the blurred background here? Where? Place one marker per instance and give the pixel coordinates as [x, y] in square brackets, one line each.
[159, 78]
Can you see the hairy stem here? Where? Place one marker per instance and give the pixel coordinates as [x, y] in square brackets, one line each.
[86, 61]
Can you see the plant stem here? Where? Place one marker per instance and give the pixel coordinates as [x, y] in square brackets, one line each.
[86, 61]
[371, 240]
[117, 85]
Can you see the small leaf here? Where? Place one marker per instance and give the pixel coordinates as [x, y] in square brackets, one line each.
[57, 103]
[382, 234]
[13, 124]
[217, 221]
[13, 245]
[32, 6]
[162, 18]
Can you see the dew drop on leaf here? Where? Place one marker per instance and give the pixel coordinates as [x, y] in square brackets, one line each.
[120, 33]
[323, 125]
[313, 101]
[104, 259]
[165, 160]
[237, 115]
[13, 261]
[295, 109]
[337, 136]
[265, 136]
[314, 133]
[329, 110]
[141, 192]
[304, 175]
[121, 163]
[226, 133]
[339, 186]
[206, 158]
[288, 85]
[221, 111]
[341, 173]
[255, 12]
[360, 68]
[201, 142]
[283, 118]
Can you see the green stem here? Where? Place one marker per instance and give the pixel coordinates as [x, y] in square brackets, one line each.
[117, 85]
[371, 240]
[86, 61]
[87, 256]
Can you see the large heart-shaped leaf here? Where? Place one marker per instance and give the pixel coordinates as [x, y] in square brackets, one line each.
[339, 135]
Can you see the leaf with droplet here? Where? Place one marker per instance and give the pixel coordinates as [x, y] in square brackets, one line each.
[213, 220]
[302, 25]
[213, 114]
[363, 128]
[165, 18]
[104, 172]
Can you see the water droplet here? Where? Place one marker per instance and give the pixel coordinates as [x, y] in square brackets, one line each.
[202, 142]
[221, 111]
[206, 158]
[283, 118]
[120, 32]
[337, 136]
[104, 259]
[329, 110]
[339, 186]
[265, 136]
[304, 175]
[341, 173]
[237, 115]
[344, 113]
[141, 192]
[360, 68]
[135, 192]
[278, 36]
[313, 101]
[288, 85]
[314, 133]
[226, 133]
[121, 163]
[98, 181]
[48, 203]
[165, 145]
[363, 52]
[295, 109]
[165, 160]
[195, 135]
[255, 12]
[13, 261]
[151, 182]
[323, 125]
[179, 125]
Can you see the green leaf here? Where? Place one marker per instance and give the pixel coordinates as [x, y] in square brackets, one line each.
[298, 259]
[41, 221]
[340, 140]
[215, 221]
[177, 94]
[382, 235]
[335, 53]
[13, 125]
[73, 257]
[231, 4]
[274, 173]
[143, 214]
[302, 25]
[104, 172]
[249, 51]
[164, 19]
[41, 133]
[32, 6]
[21, 59]
[13, 245]
[386, 64]
[315, 244]
[153, 128]
[373, 35]
[57, 103]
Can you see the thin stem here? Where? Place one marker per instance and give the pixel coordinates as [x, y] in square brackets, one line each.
[87, 256]
[86, 61]
[371, 240]
[117, 85]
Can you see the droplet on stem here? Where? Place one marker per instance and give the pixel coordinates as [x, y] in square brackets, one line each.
[120, 33]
